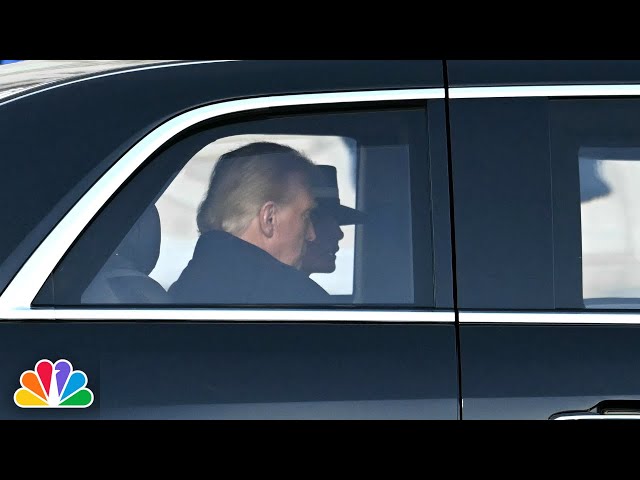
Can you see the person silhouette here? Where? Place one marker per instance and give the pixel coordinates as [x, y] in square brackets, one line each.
[327, 217]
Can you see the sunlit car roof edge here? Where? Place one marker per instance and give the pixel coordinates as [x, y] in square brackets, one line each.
[20, 79]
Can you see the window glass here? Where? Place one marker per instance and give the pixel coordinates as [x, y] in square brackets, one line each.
[182, 197]
[323, 208]
[610, 219]
[595, 153]
[547, 213]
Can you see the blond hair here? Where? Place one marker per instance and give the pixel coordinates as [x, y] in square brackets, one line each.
[244, 179]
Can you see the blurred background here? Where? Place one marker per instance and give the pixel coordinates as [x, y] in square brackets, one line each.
[8, 61]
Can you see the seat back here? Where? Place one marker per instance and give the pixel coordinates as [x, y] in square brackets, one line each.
[124, 278]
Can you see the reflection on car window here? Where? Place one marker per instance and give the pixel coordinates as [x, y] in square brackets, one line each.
[289, 210]
[610, 216]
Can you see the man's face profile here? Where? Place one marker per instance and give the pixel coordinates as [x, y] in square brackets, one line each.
[320, 255]
[293, 226]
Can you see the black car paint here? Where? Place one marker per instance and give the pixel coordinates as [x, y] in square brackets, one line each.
[194, 370]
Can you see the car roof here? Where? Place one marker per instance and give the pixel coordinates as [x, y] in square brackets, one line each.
[20, 77]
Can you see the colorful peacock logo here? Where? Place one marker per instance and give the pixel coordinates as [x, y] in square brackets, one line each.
[53, 385]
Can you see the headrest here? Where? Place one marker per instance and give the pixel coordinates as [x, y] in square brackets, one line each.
[325, 190]
[141, 246]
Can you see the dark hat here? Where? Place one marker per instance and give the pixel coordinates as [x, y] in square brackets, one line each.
[325, 190]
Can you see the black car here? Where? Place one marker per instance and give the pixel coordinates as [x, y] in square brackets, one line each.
[491, 272]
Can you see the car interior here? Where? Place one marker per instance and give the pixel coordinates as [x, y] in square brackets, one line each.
[113, 260]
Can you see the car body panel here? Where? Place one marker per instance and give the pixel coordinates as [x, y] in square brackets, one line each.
[513, 331]
[318, 363]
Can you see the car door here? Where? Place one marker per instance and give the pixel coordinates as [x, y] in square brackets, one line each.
[385, 345]
[544, 158]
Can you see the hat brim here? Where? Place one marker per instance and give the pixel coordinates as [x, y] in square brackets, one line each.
[346, 215]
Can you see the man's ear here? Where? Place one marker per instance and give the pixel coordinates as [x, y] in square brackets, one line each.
[267, 219]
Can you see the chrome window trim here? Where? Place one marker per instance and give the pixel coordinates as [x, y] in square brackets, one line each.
[547, 318]
[595, 416]
[236, 315]
[516, 91]
[15, 302]
[550, 318]
[30, 89]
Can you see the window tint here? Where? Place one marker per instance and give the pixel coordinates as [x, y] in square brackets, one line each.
[596, 153]
[341, 219]
[545, 200]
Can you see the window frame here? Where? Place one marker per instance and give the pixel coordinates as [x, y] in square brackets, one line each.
[15, 302]
[607, 133]
[563, 316]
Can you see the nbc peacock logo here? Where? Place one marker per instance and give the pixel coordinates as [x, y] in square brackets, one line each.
[53, 385]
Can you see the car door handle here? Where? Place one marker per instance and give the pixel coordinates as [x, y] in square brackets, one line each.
[605, 410]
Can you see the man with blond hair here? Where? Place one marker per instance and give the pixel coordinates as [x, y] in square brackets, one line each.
[254, 223]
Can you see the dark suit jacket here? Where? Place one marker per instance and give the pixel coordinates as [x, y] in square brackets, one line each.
[227, 270]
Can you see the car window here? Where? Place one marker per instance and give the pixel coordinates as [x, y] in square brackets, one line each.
[176, 206]
[610, 222]
[369, 189]
[545, 197]
[595, 145]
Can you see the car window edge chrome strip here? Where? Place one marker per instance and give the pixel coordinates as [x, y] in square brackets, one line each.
[595, 416]
[17, 297]
[516, 91]
[584, 317]
[159, 313]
